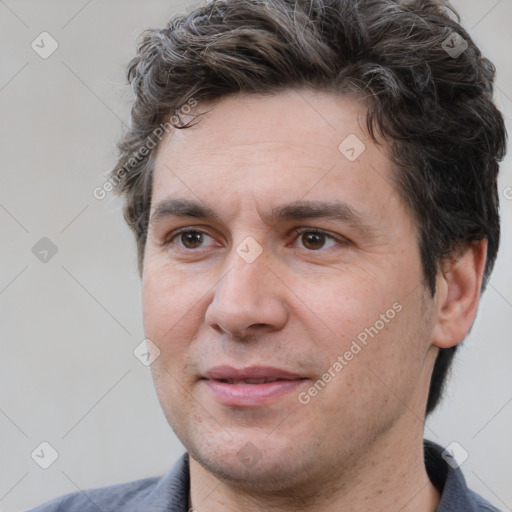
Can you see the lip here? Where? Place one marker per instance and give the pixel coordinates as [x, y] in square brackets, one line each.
[250, 395]
[251, 372]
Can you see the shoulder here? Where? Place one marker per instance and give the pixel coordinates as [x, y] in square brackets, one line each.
[481, 504]
[115, 497]
[166, 493]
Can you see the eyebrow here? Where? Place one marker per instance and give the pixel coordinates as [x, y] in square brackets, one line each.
[297, 210]
[182, 208]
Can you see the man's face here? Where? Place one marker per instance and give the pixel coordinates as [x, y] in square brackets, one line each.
[329, 309]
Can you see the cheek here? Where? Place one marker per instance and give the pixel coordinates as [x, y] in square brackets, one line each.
[172, 314]
[346, 305]
[379, 332]
[392, 361]
[170, 301]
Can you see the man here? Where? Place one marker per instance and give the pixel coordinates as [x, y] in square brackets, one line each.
[312, 186]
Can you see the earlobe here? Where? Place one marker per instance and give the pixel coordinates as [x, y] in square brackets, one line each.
[458, 294]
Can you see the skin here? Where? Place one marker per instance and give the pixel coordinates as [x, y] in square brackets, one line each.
[357, 444]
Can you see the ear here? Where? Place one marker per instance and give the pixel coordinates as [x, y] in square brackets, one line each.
[457, 294]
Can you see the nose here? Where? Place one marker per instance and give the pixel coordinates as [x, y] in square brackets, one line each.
[248, 300]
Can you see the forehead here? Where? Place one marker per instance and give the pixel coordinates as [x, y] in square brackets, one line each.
[270, 150]
[299, 120]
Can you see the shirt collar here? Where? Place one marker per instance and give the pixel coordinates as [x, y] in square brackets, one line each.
[448, 480]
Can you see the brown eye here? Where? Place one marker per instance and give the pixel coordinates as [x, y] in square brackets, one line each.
[313, 240]
[316, 240]
[191, 239]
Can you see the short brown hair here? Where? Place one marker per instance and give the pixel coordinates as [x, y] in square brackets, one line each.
[433, 108]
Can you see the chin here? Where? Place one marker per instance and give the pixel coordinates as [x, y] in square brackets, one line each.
[256, 465]
[271, 476]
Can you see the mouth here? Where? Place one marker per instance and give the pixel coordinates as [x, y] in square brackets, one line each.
[251, 386]
[249, 381]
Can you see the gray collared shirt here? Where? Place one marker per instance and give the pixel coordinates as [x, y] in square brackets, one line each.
[170, 492]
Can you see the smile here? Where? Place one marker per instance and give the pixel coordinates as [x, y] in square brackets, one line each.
[250, 387]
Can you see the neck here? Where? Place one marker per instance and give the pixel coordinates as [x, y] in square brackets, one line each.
[389, 475]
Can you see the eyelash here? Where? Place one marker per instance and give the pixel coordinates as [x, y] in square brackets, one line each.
[297, 232]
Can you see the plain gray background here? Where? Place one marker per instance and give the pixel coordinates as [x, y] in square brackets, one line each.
[69, 325]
